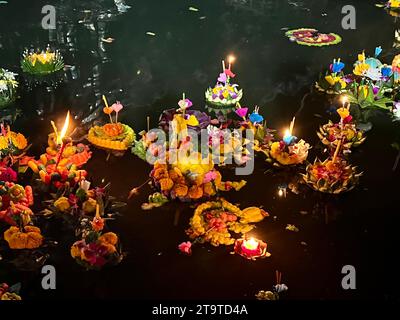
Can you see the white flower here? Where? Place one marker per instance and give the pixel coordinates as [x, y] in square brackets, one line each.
[3, 85]
[374, 74]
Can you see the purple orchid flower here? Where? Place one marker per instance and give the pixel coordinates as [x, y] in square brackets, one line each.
[222, 78]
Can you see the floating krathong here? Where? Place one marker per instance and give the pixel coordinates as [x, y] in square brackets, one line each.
[334, 175]
[311, 37]
[288, 151]
[251, 248]
[15, 203]
[8, 87]
[345, 131]
[214, 221]
[97, 249]
[372, 84]
[114, 136]
[224, 96]
[12, 144]
[42, 63]
[62, 160]
[190, 178]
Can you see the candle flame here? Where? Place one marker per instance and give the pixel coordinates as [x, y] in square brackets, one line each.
[287, 133]
[63, 132]
[344, 100]
[251, 244]
[231, 59]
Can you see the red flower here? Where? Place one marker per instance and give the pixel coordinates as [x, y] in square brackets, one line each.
[7, 174]
[347, 119]
[186, 247]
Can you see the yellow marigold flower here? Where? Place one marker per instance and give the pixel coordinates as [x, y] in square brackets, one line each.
[18, 140]
[215, 90]
[75, 252]
[89, 206]
[10, 296]
[225, 94]
[62, 204]
[3, 143]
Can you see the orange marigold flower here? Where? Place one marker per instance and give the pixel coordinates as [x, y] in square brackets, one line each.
[109, 237]
[181, 190]
[97, 223]
[166, 184]
[195, 192]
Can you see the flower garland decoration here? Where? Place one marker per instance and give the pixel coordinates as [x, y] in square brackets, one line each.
[8, 87]
[114, 136]
[214, 221]
[41, 63]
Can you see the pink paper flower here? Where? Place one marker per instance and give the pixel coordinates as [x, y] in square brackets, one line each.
[242, 112]
[117, 107]
[229, 73]
[185, 247]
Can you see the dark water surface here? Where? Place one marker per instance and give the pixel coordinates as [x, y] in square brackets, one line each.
[148, 74]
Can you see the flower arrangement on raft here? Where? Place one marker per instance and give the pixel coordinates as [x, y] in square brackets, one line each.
[224, 95]
[73, 203]
[287, 151]
[12, 144]
[312, 38]
[8, 87]
[58, 165]
[175, 120]
[97, 248]
[190, 179]
[113, 136]
[345, 131]
[41, 63]
[218, 221]
[372, 83]
[15, 203]
[334, 175]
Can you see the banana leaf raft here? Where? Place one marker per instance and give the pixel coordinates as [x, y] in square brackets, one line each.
[311, 37]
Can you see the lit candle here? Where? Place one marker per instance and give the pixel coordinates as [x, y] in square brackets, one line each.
[231, 59]
[223, 65]
[288, 138]
[250, 246]
[62, 139]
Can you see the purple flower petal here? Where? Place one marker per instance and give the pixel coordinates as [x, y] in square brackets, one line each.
[242, 112]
